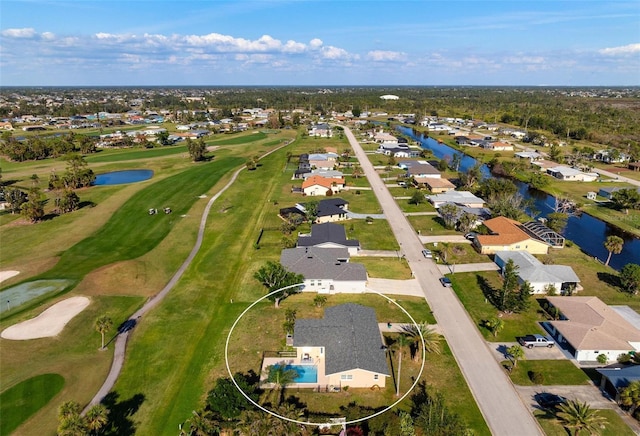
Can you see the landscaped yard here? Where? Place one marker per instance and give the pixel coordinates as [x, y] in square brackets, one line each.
[555, 372]
[468, 288]
[614, 426]
[385, 267]
[430, 225]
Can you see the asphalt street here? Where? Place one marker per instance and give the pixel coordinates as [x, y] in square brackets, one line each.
[500, 404]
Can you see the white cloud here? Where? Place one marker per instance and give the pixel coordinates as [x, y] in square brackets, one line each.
[331, 52]
[382, 56]
[622, 50]
[523, 60]
[316, 43]
[48, 36]
[26, 32]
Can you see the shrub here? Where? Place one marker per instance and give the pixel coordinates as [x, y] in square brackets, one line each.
[602, 359]
[624, 358]
[536, 377]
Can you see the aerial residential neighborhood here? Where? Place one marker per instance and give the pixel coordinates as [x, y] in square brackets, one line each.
[370, 240]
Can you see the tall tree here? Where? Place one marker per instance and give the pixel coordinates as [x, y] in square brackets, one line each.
[626, 199]
[225, 399]
[557, 221]
[431, 338]
[614, 245]
[103, 324]
[196, 149]
[33, 208]
[280, 376]
[311, 211]
[402, 342]
[78, 174]
[274, 276]
[449, 214]
[577, 416]
[630, 278]
[509, 284]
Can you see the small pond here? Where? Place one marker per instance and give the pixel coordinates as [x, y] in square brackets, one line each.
[121, 177]
[15, 296]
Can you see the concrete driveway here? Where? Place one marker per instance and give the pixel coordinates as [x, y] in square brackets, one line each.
[587, 393]
[499, 351]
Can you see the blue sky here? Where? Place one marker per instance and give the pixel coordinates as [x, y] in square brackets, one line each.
[297, 42]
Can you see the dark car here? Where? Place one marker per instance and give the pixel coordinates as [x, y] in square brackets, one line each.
[445, 281]
[547, 400]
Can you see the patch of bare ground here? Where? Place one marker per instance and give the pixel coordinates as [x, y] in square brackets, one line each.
[28, 269]
[133, 277]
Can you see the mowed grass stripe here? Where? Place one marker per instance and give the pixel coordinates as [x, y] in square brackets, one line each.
[131, 231]
[21, 401]
[191, 324]
[120, 156]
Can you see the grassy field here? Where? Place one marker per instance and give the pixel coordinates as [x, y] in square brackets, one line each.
[385, 267]
[21, 401]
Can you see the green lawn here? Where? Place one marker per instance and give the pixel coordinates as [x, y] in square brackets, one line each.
[374, 236]
[385, 267]
[614, 426]
[430, 225]
[556, 372]
[21, 401]
[136, 154]
[467, 288]
[131, 231]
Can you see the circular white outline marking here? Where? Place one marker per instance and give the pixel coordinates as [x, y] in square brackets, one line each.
[226, 359]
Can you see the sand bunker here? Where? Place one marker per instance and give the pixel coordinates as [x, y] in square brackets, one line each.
[5, 275]
[48, 323]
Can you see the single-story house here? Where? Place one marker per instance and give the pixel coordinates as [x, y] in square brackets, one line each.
[616, 377]
[608, 191]
[421, 168]
[497, 146]
[329, 210]
[318, 185]
[325, 270]
[436, 185]
[345, 346]
[323, 156]
[539, 276]
[329, 235]
[634, 166]
[532, 156]
[462, 198]
[562, 172]
[397, 152]
[322, 164]
[385, 138]
[588, 328]
[507, 235]
[329, 174]
[321, 130]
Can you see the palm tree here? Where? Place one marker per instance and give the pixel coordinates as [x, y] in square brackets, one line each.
[516, 352]
[103, 324]
[280, 376]
[613, 244]
[201, 423]
[430, 336]
[72, 425]
[97, 417]
[576, 416]
[400, 344]
[630, 396]
[68, 408]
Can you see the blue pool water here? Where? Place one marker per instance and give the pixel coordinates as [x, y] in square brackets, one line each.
[306, 373]
[121, 177]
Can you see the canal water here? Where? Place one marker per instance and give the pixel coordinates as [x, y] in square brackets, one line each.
[587, 232]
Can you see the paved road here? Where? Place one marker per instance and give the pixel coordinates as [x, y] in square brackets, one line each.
[616, 176]
[468, 267]
[499, 403]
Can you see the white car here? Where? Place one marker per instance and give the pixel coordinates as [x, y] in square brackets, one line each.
[427, 253]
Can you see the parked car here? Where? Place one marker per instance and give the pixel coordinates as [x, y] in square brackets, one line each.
[471, 235]
[547, 400]
[427, 253]
[445, 282]
[531, 341]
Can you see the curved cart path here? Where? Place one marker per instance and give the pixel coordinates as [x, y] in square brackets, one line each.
[500, 404]
[121, 340]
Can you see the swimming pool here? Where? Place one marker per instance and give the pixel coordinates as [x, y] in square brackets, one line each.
[306, 373]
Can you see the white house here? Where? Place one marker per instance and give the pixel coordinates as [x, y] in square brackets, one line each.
[325, 270]
[588, 328]
[539, 276]
[329, 235]
[562, 172]
[462, 198]
[318, 185]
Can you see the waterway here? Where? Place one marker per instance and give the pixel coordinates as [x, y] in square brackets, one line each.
[587, 232]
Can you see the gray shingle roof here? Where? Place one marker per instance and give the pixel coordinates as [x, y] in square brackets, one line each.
[534, 271]
[322, 263]
[327, 232]
[351, 337]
